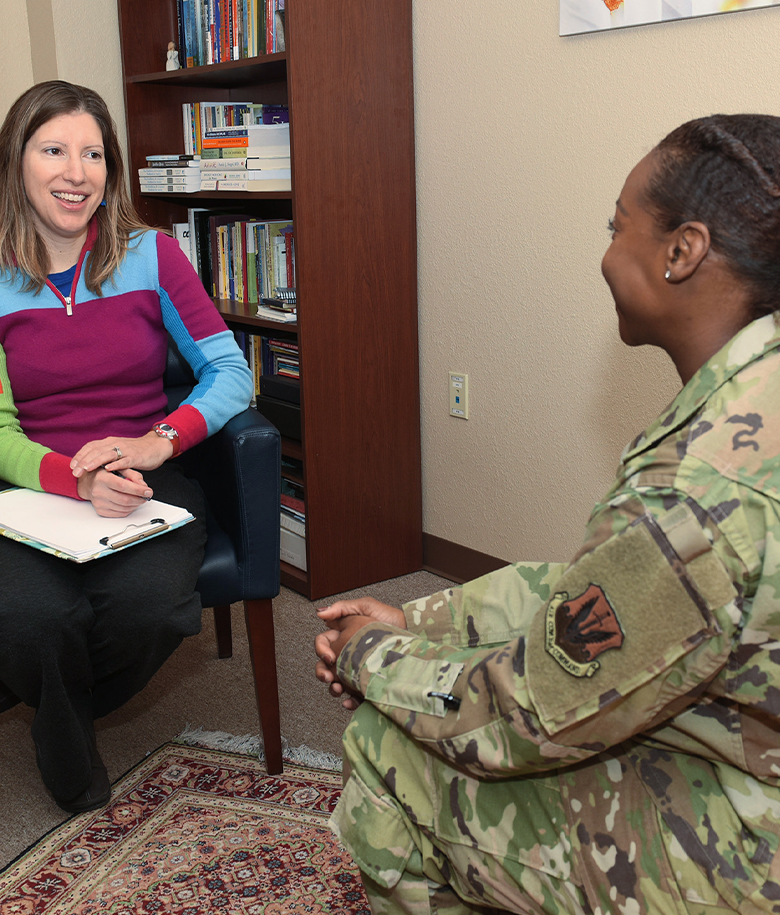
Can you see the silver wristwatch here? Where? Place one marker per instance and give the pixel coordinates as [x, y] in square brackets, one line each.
[166, 431]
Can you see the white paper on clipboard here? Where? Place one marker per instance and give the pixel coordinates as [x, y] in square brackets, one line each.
[73, 530]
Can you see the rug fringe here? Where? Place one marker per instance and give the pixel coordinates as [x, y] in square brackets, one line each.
[252, 745]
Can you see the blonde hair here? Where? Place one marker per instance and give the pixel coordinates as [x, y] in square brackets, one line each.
[21, 247]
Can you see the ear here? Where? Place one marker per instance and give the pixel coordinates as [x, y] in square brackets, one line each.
[688, 246]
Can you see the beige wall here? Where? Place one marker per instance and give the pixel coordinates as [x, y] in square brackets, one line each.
[16, 72]
[523, 142]
[77, 40]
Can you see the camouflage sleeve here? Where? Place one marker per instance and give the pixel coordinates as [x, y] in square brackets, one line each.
[632, 632]
[491, 609]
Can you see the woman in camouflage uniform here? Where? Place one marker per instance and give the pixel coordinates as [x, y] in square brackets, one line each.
[604, 736]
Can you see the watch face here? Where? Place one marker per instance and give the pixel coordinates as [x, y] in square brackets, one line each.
[165, 430]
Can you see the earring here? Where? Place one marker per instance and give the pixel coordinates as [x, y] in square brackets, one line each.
[668, 275]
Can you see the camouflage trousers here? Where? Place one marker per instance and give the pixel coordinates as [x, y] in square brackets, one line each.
[430, 840]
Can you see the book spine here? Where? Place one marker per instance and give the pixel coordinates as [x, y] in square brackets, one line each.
[222, 152]
[223, 31]
[237, 164]
[183, 172]
[222, 257]
[257, 231]
[170, 180]
[189, 38]
[196, 38]
[290, 523]
[215, 30]
[236, 29]
[258, 364]
[194, 243]
[180, 32]
[227, 7]
[251, 264]
[251, 36]
[223, 143]
[291, 262]
[210, 26]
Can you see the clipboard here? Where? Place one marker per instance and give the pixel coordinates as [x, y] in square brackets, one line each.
[72, 530]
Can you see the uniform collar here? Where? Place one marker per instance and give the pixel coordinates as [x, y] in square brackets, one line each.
[752, 343]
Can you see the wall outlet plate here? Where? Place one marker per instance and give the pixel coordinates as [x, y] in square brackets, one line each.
[459, 395]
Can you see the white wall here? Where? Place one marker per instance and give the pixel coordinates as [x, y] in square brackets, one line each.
[523, 142]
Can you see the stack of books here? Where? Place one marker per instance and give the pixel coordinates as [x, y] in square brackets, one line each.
[283, 304]
[174, 173]
[276, 371]
[292, 546]
[199, 117]
[247, 157]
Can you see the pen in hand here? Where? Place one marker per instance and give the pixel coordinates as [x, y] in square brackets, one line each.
[119, 474]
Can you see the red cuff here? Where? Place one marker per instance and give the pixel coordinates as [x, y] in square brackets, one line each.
[56, 476]
[190, 425]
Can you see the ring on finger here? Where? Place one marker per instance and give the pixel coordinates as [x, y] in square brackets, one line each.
[118, 452]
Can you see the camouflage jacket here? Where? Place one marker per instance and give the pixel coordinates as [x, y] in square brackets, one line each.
[662, 635]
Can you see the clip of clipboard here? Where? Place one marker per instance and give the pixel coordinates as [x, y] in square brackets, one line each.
[141, 532]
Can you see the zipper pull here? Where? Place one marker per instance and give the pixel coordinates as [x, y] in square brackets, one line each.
[68, 308]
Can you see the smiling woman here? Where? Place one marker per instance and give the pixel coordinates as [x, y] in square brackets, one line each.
[88, 298]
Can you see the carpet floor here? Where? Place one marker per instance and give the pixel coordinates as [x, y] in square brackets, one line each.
[189, 831]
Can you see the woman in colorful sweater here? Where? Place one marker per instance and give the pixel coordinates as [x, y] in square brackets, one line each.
[88, 297]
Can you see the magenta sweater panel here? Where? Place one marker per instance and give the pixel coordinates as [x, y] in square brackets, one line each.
[93, 367]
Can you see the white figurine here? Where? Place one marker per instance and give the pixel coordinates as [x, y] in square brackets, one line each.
[173, 58]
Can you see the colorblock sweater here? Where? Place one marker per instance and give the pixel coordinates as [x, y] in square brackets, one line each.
[72, 372]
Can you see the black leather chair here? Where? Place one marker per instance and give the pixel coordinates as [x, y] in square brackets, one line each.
[239, 472]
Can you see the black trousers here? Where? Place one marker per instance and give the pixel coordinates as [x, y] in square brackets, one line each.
[78, 640]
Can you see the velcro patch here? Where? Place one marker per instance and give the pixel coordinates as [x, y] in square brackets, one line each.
[622, 616]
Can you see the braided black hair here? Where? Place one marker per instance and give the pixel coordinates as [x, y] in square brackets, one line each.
[724, 171]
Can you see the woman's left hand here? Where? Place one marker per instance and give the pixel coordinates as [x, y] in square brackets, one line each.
[113, 453]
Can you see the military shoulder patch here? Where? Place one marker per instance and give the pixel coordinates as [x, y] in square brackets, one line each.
[622, 620]
[579, 629]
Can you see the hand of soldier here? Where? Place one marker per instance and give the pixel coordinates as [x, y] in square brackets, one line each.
[363, 606]
[346, 618]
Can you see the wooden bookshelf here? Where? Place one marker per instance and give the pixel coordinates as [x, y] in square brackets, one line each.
[347, 78]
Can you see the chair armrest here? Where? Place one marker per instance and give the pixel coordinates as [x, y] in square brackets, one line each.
[241, 477]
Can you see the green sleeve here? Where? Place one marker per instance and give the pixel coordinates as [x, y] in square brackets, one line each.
[20, 458]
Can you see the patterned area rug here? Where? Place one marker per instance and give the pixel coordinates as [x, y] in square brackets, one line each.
[194, 831]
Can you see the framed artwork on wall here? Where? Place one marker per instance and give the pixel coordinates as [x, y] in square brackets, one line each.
[577, 16]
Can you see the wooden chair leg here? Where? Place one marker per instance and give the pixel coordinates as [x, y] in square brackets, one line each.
[224, 631]
[262, 649]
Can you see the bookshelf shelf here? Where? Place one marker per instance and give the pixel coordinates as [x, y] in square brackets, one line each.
[232, 73]
[347, 79]
[222, 197]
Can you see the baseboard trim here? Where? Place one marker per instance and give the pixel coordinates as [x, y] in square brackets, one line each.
[455, 562]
